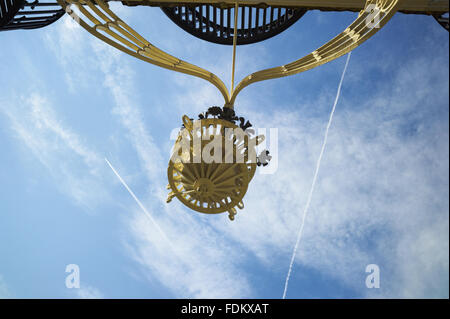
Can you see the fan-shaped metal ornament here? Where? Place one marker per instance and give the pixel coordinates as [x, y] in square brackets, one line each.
[217, 185]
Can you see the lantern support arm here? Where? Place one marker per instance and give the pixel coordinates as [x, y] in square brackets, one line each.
[375, 15]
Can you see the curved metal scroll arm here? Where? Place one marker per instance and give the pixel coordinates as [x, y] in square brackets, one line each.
[109, 28]
[373, 17]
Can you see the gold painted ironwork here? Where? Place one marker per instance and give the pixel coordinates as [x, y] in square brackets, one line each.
[233, 63]
[357, 33]
[211, 187]
[109, 28]
[112, 30]
[214, 187]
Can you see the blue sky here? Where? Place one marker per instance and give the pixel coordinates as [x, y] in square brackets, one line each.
[67, 101]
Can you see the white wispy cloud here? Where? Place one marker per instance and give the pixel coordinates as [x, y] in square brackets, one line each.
[66, 157]
[88, 292]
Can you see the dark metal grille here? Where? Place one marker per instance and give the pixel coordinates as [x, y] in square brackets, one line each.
[442, 20]
[20, 14]
[216, 24]
[8, 9]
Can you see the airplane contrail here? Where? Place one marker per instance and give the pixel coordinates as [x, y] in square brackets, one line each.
[316, 173]
[139, 203]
